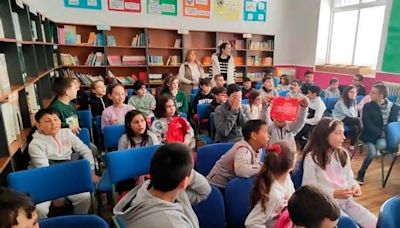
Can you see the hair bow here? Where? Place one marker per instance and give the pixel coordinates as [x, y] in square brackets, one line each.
[274, 148]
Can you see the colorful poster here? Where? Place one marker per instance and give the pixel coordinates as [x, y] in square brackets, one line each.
[162, 7]
[134, 6]
[227, 9]
[255, 10]
[84, 4]
[196, 8]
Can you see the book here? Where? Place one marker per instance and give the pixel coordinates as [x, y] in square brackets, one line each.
[8, 120]
[138, 40]
[155, 60]
[34, 30]
[32, 98]
[61, 35]
[99, 39]
[17, 28]
[1, 29]
[85, 79]
[43, 32]
[114, 60]
[177, 43]
[5, 86]
[69, 60]
[111, 41]
[70, 34]
[91, 39]
[134, 60]
[78, 39]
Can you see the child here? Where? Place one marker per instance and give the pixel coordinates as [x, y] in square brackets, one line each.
[311, 207]
[243, 159]
[179, 97]
[98, 100]
[346, 111]
[295, 91]
[308, 81]
[166, 112]
[267, 91]
[357, 82]
[255, 106]
[115, 113]
[142, 100]
[165, 200]
[137, 134]
[218, 82]
[247, 88]
[219, 98]
[333, 89]
[284, 84]
[52, 144]
[17, 210]
[327, 166]
[66, 90]
[204, 96]
[273, 186]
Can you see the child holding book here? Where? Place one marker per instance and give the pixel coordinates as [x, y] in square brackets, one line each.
[142, 100]
[98, 99]
[273, 186]
[115, 113]
[327, 165]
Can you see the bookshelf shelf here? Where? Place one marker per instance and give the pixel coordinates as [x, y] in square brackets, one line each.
[205, 49]
[164, 66]
[80, 46]
[132, 47]
[252, 50]
[159, 47]
[259, 66]
[8, 40]
[127, 66]
[83, 66]
[4, 162]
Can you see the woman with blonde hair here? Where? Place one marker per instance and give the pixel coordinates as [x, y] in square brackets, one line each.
[190, 73]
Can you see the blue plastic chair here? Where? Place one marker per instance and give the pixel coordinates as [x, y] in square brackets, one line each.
[392, 98]
[283, 93]
[212, 125]
[330, 104]
[112, 133]
[297, 174]
[75, 221]
[211, 212]
[53, 182]
[84, 135]
[85, 119]
[208, 155]
[389, 213]
[129, 92]
[359, 98]
[237, 201]
[192, 97]
[183, 115]
[203, 117]
[346, 222]
[195, 91]
[245, 101]
[392, 141]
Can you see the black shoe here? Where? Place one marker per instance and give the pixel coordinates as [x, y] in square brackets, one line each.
[360, 180]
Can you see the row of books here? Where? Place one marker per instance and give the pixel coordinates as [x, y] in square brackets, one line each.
[155, 79]
[68, 35]
[95, 59]
[5, 86]
[267, 45]
[111, 41]
[128, 60]
[259, 61]
[32, 98]
[256, 76]
[126, 80]
[236, 44]
[69, 60]
[139, 40]
[11, 117]
[85, 79]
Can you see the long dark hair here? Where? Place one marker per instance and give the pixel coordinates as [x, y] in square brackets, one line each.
[165, 86]
[345, 96]
[129, 132]
[319, 146]
[159, 112]
[276, 162]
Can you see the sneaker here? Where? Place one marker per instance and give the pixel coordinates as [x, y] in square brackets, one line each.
[360, 180]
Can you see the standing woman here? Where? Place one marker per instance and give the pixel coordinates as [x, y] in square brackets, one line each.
[190, 73]
[223, 63]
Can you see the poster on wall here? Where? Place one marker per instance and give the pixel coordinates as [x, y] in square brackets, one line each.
[255, 10]
[84, 4]
[196, 8]
[125, 5]
[162, 7]
[226, 9]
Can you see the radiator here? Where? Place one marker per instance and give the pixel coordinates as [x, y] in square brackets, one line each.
[393, 89]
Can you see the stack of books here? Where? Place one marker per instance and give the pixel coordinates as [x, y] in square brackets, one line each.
[111, 41]
[267, 45]
[155, 79]
[155, 60]
[256, 76]
[139, 40]
[173, 60]
[69, 60]
[133, 60]
[114, 60]
[95, 59]
[11, 117]
[85, 79]
[32, 98]
[126, 80]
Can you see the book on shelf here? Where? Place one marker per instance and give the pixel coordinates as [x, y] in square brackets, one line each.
[173, 60]
[5, 86]
[69, 60]
[70, 34]
[95, 59]
[155, 60]
[114, 60]
[139, 40]
[61, 35]
[266, 61]
[43, 32]
[91, 39]
[1, 29]
[267, 45]
[85, 79]
[8, 121]
[13, 99]
[17, 28]
[236, 44]
[99, 39]
[111, 41]
[134, 60]
[155, 79]
[34, 30]
[239, 60]
[126, 80]
[32, 98]
[177, 43]
[22, 65]
[55, 59]
[78, 39]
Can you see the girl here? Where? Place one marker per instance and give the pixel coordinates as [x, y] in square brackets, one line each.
[255, 106]
[166, 113]
[143, 100]
[327, 165]
[190, 73]
[295, 91]
[115, 113]
[137, 134]
[333, 88]
[171, 88]
[346, 111]
[268, 91]
[223, 63]
[273, 186]
[284, 84]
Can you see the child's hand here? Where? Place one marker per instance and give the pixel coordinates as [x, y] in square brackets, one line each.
[304, 102]
[95, 178]
[356, 191]
[174, 92]
[115, 121]
[236, 105]
[342, 193]
[74, 129]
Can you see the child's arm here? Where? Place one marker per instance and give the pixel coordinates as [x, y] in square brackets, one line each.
[157, 129]
[189, 137]
[310, 176]
[317, 115]
[185, 105]
[298, 124]
[224, 122]
[242, 163]
[267, 115]
[123, 142]
[258, 218]
[37, 152]
[198, 188]
[81, 148]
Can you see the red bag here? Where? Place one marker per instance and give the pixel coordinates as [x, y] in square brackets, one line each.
[284, 109]
[177, 129]
[283, 220]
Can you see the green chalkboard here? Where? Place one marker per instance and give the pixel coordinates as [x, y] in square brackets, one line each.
[391, 58]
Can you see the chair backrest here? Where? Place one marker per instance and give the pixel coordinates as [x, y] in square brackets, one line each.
[208, 155]
[195, 91]
[283, 93]
[297, 174]
[53, 182]
[211, 211]
[129, 163]
[84, 135]
[330, 102]
[258, 85]
[245, 101]
[203, 111]
[389, 213]
[183, 115]
[129, 92]
[237, 201]
[97, 121]
[359, 98]
[393, 136]
[346, 222]
[212, 124]
[392, 98]
[112, 133]
[76, 221]
[192, 97]
[85, 119]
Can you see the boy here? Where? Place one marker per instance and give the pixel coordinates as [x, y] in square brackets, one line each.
[218, 82]
[357, 82]
[142, 100]
[165, 200]
[243, 159]
[333, 89]
[310, 207]
[231, 116]
[219, 98]
[52, 144]
[204, 96]
[66, 90]
[268, 91]
[295, 91]
[376, 115]
[17, 210]
[308, 81]
[98, 100]
[247, 88]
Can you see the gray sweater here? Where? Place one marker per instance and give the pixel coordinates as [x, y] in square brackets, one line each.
[228, 123]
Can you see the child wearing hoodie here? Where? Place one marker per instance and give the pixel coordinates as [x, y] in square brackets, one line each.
[243, 159]
[333, 88]
[52, 144]
[166, 199]
[204, 96]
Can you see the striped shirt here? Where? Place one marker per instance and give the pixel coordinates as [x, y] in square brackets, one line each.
[223, 66]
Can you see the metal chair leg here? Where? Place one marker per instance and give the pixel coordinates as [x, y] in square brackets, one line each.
[390, 169]
[383, 169]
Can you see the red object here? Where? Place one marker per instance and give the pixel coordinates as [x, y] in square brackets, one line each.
[283, 220]
[177, 129]
[143, 76]
[275, 148]
[284, 109]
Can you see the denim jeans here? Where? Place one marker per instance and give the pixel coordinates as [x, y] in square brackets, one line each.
[372, 151]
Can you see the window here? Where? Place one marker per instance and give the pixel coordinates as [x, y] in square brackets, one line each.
[356, 31]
